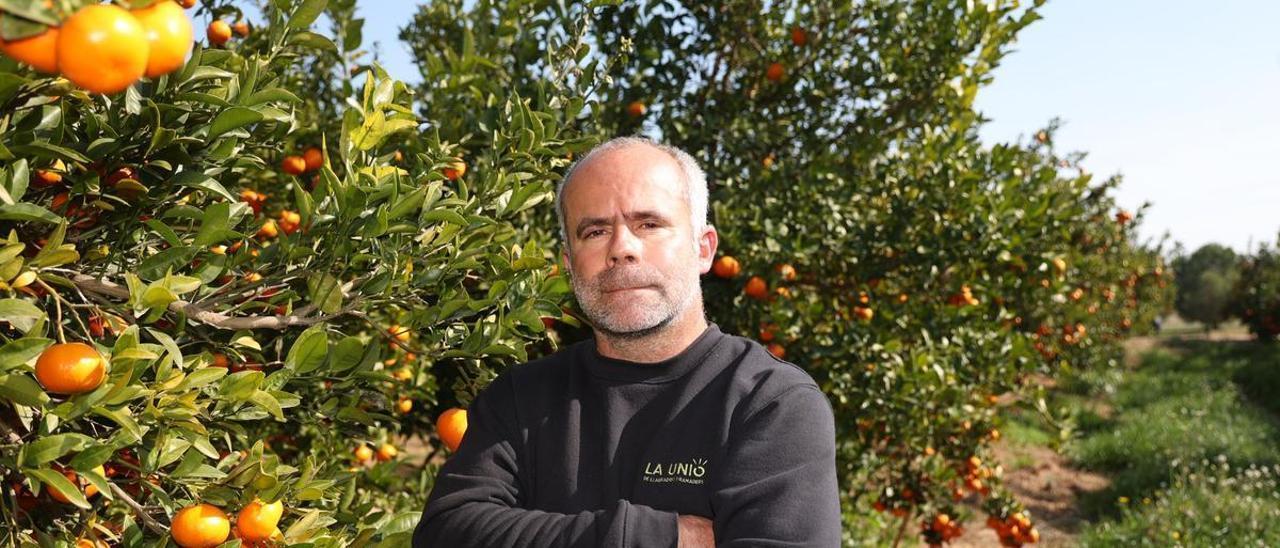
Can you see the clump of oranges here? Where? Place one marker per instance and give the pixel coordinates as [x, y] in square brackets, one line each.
[105, 48]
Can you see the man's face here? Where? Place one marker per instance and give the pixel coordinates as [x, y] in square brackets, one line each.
[635, 259]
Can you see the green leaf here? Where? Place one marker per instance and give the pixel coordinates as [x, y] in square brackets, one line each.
[307, 13]
[199, 180]
[348, 353]
[54, 480]
[24, 211]
[51, 448]
[201, 377]
[268, 403]
[312, 40]
[271, 95]
[20, 314]
[309, 350]
[214, 226]
[230, 119]
[121, 418]
[324, 292]
[20, 351]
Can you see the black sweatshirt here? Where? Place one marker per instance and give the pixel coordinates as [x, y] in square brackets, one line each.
[576, 449]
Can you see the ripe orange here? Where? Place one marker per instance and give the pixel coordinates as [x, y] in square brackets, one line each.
[767, 332]
[726, 267]
[258, 521]
[70, 368]
[88, 489]
[451, 426]
[404, 405]
[241, 28]
[268, 230]
[289, 221]
[51, 176]
[799, 37]
[39, 51]
[187, 4]
[756, 288]
[387, 452]
[636, 109]
[293, 165]
[218, 32]
[363, 453]
[402, 334]
[787, 271]
[169, 32]
[314, 158]
[103, 48]
[863, 313]
[775, 72]
[88, 543]
[777, 350]
[399, 157]
[200, 526]
[455, 170]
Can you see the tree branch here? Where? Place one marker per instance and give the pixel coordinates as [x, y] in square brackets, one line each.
[216, 319]
[146, 518]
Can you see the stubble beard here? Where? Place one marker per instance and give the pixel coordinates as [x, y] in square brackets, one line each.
[673, 300]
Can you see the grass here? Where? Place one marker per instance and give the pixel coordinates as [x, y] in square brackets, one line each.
[1192, 446]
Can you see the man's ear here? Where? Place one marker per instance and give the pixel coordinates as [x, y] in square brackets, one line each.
[565, 263]
[708, 241]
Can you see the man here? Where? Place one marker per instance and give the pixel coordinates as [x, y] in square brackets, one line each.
[662, 431]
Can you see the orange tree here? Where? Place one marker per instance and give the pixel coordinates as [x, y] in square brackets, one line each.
[1256, 301]
[202, 338]
[922, 277]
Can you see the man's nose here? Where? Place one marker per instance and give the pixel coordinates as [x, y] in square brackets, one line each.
[624, 247]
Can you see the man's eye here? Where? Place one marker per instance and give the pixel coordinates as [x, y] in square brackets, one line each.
[593, 233]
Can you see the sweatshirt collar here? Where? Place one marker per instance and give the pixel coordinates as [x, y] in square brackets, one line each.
[654, 372]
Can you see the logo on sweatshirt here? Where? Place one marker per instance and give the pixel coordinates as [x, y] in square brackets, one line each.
[690, 472]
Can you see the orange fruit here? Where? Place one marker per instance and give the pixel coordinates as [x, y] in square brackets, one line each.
[402, 334]
[51, 176]
[363, 453]
[767, 332]
[268, 230]
[187, 4]
[293, 165]
[726, 267]
[777, 350]
[241, 28]
[103, 48]
[756, 288]
[221, 360]
[200, 526]
[863, 313]
[636, 109]
[404, 405]
[289, 221]
[70, 368]
[258, 521]
[169, 32]
[455, 170]
[88, 489]
[387, 452]
[775, 72]
[399, 157]
[787, 271]
[314, 158]
[218, 32]
[87, 543]
[451, 426]
[39, 51]
[798, 36]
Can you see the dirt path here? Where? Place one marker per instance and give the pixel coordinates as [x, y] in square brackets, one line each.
[1048, 487]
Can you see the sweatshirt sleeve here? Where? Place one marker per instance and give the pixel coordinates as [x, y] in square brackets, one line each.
[778, 485]
[476, 500]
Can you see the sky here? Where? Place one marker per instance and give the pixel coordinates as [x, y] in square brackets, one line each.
[1181, 98]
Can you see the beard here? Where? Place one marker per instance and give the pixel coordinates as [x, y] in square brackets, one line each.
[639, 313]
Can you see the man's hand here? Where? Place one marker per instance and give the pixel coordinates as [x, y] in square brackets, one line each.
[695, 532]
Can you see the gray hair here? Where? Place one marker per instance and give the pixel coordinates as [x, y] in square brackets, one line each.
[695, 187]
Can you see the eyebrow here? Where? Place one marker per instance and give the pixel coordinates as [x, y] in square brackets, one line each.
[646, 215]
